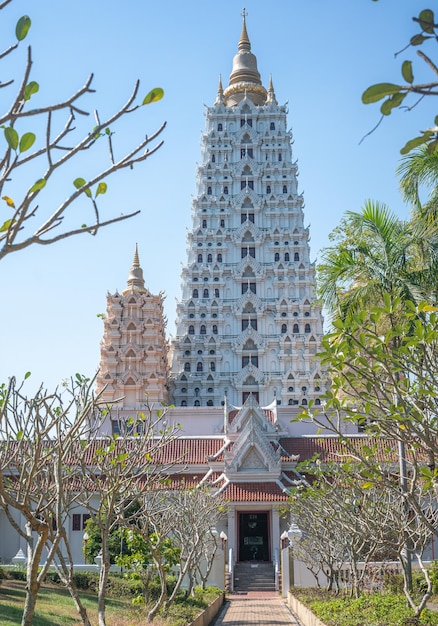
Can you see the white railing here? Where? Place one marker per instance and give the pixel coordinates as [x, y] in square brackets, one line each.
[276, 561]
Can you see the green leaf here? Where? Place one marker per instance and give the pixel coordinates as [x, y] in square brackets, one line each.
[5, 226]
[11, 136]
[154, 95]
[40, 183]
[20, 434]
[379, 91]
[417, 40]
[80, 182]
[27, 141]
[101, 189]
[22, 27]
[392, 103]
[26, 376]
[427, 20]
[30, 89]
[407, 71]
[414, 143]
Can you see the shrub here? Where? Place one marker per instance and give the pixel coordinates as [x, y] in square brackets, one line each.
[17, 574]
[2, 575]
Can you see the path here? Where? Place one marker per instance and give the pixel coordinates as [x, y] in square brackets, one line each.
[255, 608]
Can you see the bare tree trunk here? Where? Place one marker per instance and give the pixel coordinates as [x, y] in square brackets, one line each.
[103, 580]
[32, 582]
[163, 581]
[67, 576]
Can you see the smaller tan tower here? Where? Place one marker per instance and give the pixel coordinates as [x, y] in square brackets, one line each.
[133, 362]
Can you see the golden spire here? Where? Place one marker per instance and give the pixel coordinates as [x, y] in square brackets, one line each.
[244, 42]
[245, 78]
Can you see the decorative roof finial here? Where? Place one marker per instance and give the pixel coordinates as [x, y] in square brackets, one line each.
[244, 77]
[244, 42]
[220, 92]
[271, 93]
[135, 278]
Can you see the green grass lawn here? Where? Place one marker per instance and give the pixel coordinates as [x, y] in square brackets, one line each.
[55, 607]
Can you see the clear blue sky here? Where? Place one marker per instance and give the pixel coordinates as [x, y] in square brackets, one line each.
[322, 54]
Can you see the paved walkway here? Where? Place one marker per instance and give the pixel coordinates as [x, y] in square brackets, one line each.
[255, 608]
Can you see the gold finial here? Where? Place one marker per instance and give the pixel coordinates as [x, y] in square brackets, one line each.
[244, 43]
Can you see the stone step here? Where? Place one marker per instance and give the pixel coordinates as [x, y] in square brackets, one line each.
[254, 577]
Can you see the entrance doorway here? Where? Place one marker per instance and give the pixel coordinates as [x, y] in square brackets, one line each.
[253, 537]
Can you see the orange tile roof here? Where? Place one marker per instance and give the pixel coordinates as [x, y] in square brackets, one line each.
[254, 492]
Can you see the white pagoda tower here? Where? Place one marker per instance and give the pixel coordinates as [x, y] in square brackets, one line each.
[247, 322]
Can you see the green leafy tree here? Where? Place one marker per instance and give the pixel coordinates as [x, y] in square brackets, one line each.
[373, 253]
[397, 95]
[139, 561]
[28, 216]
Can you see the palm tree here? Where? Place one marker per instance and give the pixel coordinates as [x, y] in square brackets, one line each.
[375, 253]
[419, 170]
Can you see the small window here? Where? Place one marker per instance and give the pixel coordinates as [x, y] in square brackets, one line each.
[214, 329]
[280, 157]
[307, 328]
[277, 256]
[183, 402]
[191, 330]
[247, 216]
[216, 293]
[219, 258]
[219, 126]
[304, 402]
[203, 330]
[187, 367]
[208, 191]
[286, 256]
[268, 189]
[213, 158]
[204, 223]
[209, 258]
[197, 403]
[199, 258]
[290, 401]
[272, 126]
[296, 256]
[317, 402]
[205, 293]
[184, 390]
[212, 367]
[290, 389]
[209, 402]
[284, 188]
[252, 287]
[199, 367]
[226, 190]
[222, 223]
[76, 521]
[195, 293]
[295, 329]
[283, 329]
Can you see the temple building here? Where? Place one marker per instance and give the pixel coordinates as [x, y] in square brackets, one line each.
[242, 363]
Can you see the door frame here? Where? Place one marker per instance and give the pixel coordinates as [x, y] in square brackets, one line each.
[267, 512]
